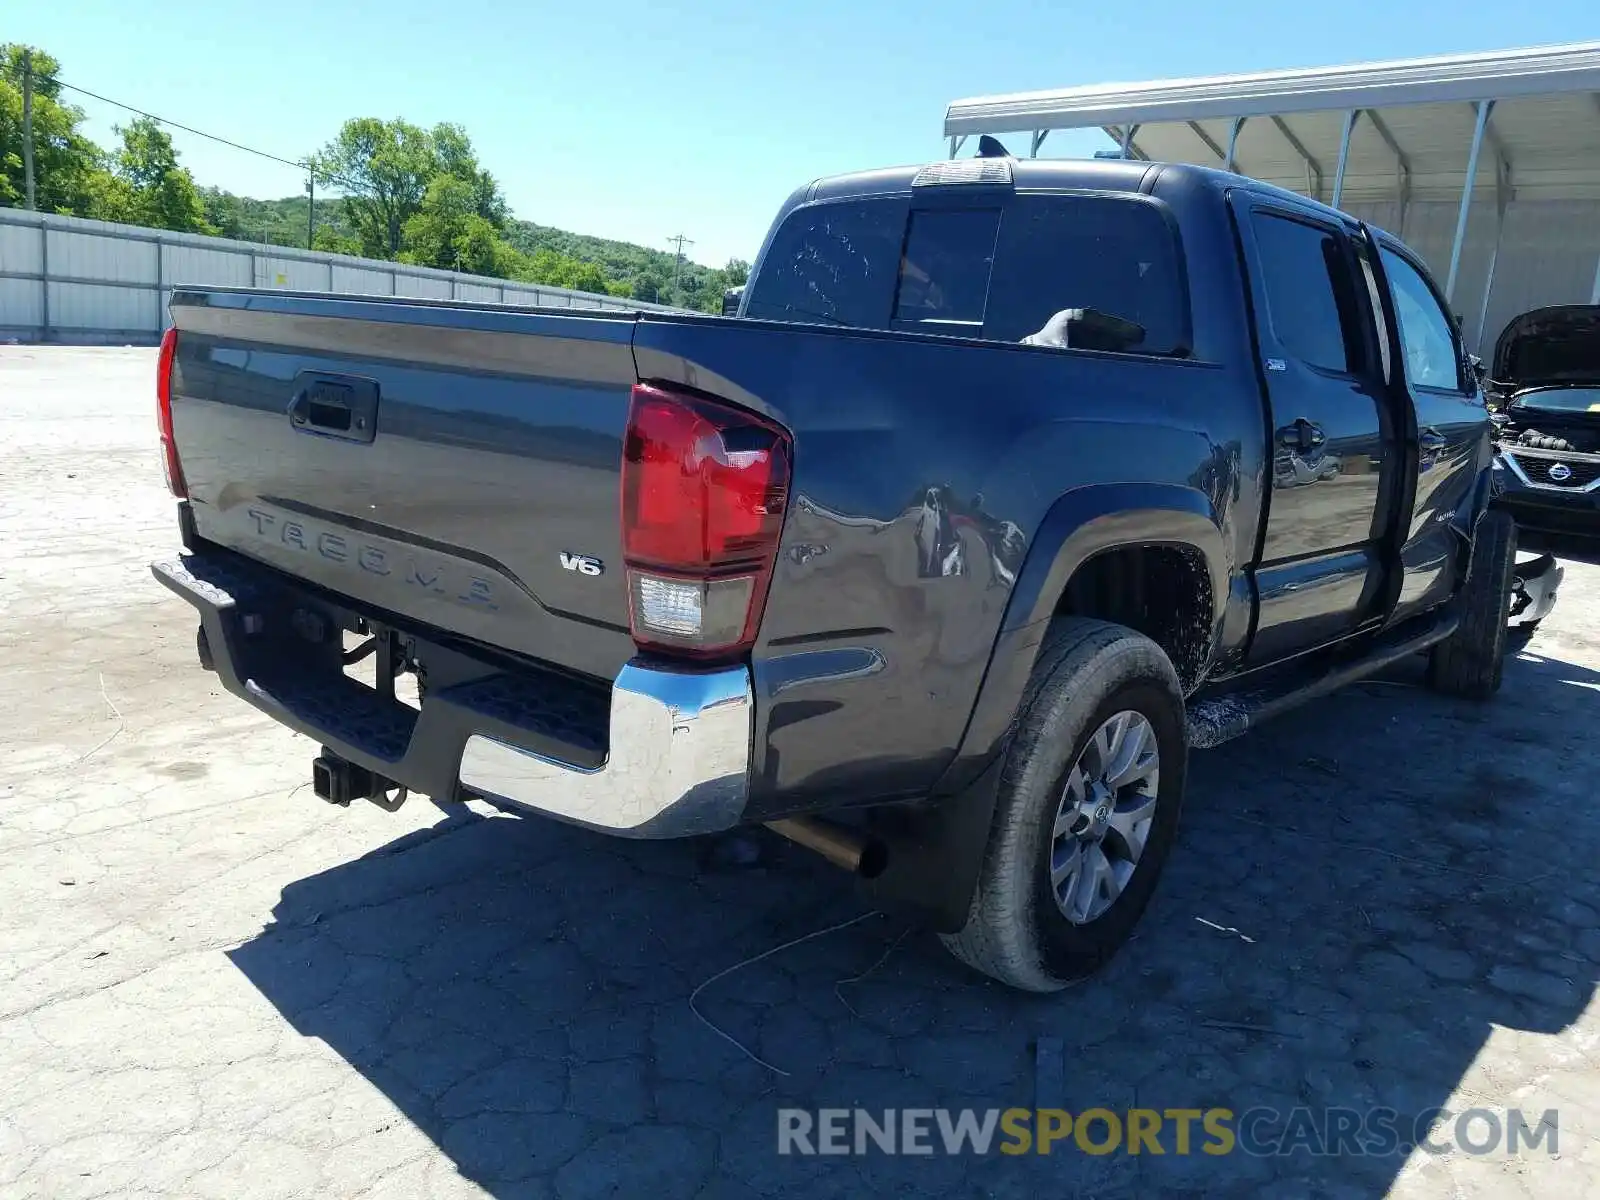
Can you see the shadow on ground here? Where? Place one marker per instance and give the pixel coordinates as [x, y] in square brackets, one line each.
[1361, 891]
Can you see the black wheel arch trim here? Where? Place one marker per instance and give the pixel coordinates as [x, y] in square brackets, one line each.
[1081, 524]
[939, 846]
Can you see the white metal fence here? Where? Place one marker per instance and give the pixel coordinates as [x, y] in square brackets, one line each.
[64, 279]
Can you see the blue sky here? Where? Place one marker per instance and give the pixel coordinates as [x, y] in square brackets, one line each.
[638, 119]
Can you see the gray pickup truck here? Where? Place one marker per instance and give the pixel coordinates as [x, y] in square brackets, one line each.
[1009, 483]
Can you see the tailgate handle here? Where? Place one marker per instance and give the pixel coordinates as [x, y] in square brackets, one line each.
[334, 407]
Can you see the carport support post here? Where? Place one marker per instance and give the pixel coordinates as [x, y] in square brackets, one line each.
[1128, 132]
[1350, 119]
[1234, 127]
[1502, 197]
[1594, 292]
[1485, 107]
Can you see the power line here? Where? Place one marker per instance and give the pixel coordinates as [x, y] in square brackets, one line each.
[72, 87]
[300, 165]
[29, 75]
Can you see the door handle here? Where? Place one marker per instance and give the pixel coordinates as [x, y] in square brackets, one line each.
[1302, 435]
[1432, 439]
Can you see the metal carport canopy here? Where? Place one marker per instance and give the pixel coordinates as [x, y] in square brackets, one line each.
[1524, 123]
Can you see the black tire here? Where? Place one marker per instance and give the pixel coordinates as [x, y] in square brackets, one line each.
[1470, 662]
[1088, 671]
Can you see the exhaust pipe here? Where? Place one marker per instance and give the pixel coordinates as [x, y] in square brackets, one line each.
[863, 856]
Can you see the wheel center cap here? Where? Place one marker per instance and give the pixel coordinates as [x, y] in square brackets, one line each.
[1096, 810]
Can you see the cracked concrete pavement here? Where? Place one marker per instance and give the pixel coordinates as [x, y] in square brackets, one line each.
[211, 984]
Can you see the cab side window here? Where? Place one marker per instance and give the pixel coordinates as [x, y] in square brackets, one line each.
[1427, 334]
[1311, 299]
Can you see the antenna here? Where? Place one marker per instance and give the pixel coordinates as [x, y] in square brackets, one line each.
[989, 147]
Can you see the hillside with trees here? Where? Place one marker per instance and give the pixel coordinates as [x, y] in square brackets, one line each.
[384, 189]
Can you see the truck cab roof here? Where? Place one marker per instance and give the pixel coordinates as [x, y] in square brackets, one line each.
[1043, 175]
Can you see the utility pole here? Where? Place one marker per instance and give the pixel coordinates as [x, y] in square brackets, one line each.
[27, 124]
[311, 209]
[677, 263]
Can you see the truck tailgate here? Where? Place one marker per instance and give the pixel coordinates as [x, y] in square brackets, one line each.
[457, 466]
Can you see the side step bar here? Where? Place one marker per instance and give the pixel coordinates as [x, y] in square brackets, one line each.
[1219, 718]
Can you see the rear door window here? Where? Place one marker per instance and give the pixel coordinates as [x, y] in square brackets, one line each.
[834, 263]
[1107, 260]
[1311, 297]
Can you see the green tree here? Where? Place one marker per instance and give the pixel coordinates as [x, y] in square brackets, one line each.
[148, 186]
[383, 169]
[647, 287]
[455, 156]
[400, 191]
[645, 271]
[448, 232]
[279, 222]
[546, 266]
[67, 167]
[588, 278]
[333, 241]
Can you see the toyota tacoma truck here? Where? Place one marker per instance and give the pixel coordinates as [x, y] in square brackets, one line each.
[1009, 483]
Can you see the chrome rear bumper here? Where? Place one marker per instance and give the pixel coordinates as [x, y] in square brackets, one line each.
[676, 761]
[679, 760]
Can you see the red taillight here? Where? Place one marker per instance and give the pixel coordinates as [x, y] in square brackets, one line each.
[169, 444]
[703, 492]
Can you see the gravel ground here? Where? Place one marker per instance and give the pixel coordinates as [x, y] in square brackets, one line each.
[211, 984]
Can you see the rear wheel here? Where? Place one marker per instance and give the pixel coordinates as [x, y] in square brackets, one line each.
[1471, 661]
[1087, 810]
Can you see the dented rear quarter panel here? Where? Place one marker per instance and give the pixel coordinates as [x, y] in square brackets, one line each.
[924, 471]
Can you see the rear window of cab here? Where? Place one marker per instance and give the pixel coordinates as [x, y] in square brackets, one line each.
[1077, 271]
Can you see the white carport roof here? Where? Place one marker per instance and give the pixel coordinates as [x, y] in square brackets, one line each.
[1524, 122]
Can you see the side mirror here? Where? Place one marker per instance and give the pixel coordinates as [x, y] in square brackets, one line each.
[1479, 369]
